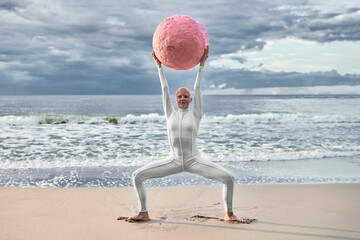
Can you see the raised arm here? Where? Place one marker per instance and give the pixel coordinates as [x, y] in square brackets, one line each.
[197, 85]
[168, 108]
[197, 93]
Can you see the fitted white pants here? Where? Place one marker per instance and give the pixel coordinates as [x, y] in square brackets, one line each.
[198, 166]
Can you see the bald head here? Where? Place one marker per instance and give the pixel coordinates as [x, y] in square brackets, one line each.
[183, 98]
[183, 90]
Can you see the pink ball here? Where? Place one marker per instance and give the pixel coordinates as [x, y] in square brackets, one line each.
[179, 42]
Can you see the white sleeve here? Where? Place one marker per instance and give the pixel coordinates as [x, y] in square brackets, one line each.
[197, 93]
[168, 108]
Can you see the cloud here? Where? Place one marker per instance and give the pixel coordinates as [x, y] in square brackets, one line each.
[340, 89]
[336, 27]
[242, 79]
[104, 47]
[11, 5]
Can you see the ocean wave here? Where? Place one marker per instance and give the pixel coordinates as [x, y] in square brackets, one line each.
[64, 157]
[262, 155]
[263, 118]
[281, 117]
[82, 119]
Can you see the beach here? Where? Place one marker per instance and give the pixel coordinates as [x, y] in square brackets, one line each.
[283, 211]
[67, 163]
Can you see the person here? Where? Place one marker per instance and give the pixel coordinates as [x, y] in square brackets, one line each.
[182, 128]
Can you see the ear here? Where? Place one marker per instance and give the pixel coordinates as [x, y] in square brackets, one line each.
[190, 99]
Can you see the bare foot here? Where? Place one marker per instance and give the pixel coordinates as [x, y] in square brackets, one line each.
[140, 217]
[230, 217]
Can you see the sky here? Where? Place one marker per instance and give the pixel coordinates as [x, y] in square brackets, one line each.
[104, 47]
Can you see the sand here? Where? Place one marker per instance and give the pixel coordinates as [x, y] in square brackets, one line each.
[324, 211]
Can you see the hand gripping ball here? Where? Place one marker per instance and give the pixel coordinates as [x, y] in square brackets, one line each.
[179, 42]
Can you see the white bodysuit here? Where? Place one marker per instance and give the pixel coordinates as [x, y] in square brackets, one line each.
[182, 129]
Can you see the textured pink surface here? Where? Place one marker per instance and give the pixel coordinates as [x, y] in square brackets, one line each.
[179, 42]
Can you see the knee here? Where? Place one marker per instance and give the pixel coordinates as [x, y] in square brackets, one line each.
[136, 176]
[229, 178]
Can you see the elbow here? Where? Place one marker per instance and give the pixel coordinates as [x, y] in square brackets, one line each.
[165, 88]
[197, 90]
[197, 86]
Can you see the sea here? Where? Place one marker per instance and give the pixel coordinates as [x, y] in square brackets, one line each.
[98, 141]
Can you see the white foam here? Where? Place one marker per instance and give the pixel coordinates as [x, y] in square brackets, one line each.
[135, 140]
[155, 117]
[63, 119]
[280, 117]
[281, 155]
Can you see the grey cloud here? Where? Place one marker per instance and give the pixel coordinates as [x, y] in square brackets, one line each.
[8, 6]
[327, 27]
[353, 9]
[255, 79]
[239, 59]
[254, 45]
[103, 47]
[11, 5]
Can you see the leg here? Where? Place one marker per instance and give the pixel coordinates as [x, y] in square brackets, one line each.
[214, 171]
[156, 169]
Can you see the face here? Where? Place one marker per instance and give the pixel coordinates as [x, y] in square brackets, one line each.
[183, 98]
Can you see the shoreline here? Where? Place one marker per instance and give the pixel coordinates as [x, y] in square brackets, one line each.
[215, 185]
[283, 211]
[337, 170]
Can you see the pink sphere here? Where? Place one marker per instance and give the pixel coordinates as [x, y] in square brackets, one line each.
[179, 42]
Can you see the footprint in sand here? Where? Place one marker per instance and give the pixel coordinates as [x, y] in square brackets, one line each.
[204, 218]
